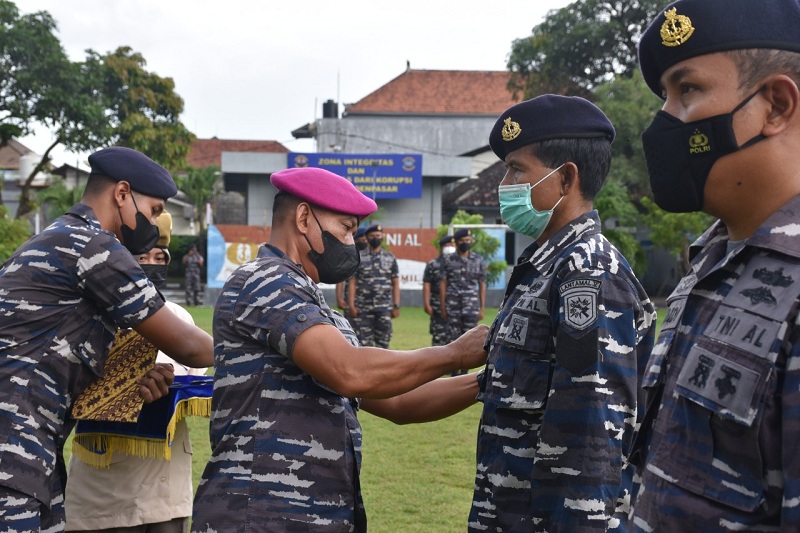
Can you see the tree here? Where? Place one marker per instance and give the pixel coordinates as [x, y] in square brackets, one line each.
[580, 46]
[674, 232]
[201, 185]
[143, 108]
[483, 243]
[614, 205]
[14, 232]
[29, 54]
[57, 199]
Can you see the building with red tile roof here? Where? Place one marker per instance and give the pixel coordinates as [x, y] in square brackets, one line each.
[208, 152]
[436, 112]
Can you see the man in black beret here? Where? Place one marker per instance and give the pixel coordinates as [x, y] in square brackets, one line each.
[717, 449]
[63, 295]
[568, 346]
[431, 278]
[462, 288]
[374, 292]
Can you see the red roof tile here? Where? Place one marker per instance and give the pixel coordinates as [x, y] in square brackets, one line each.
[206, 152]
[439, 92]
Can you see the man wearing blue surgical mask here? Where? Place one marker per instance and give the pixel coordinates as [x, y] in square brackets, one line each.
[569, 343]
[717, 449]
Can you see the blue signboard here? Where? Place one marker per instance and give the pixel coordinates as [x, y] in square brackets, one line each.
[376, 175]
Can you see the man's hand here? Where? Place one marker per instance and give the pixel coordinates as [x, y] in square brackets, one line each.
[470, 346]
[155, 384]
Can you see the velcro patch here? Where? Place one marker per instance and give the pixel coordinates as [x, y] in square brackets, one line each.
[579, 297]
[721, 381]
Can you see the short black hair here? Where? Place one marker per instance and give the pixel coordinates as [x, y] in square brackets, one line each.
[756, 64]
[282, 206]
[592, 156]
[96, 184]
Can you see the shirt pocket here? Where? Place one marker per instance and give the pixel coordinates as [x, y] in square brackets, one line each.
[711, 443]
[521, 358]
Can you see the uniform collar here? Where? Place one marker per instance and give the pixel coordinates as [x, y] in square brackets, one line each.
[543, 256]
[85, 213]
[780, 232]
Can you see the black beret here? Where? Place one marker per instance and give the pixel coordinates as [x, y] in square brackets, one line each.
[374, 227]
[142, 173]
[360, 232]
[690, 28]
[447, 239]
[548, 116]
[463, 232]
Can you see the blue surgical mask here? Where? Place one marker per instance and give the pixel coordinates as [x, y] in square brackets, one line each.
[517, 209]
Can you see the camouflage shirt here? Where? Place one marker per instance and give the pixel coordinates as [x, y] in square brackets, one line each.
[464, 276]
[286, 449]
[566, 355]
[374, 280]
[433, 276]
[62, 295]
[724, 384]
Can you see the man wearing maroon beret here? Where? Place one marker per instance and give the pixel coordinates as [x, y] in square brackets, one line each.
[289, 375]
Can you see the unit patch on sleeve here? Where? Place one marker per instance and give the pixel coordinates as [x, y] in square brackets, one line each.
[579, 297]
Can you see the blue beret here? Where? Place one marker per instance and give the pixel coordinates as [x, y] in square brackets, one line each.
[690, 28]
[142, 173]
[374, 227]
[360, 232]
[548, 116]
[463, 232]
[324, 188]
[447, 239]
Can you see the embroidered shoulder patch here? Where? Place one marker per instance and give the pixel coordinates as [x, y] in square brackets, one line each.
[579, 297]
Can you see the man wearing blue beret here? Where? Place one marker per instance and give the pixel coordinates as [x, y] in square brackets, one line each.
[63, 295]
[717, 450]
[290, 376]
[569, 344]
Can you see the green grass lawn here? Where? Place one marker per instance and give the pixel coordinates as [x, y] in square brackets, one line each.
[415, 478]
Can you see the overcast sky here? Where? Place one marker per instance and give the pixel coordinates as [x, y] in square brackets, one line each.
[258, 69]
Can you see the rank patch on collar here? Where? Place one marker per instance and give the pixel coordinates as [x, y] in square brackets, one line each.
[579, 297]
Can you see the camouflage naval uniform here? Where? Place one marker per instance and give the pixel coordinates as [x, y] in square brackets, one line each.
[725, 372]
[438, 325]
[566, 352]
[374, 299]
[286, 449]
[462, 299]
[62, 295]
[194, 284]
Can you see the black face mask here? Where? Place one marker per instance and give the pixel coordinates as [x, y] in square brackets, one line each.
[338, 261]
[375, 242]
[157, 274]
[680, 155]
[361, 245]
[464, 247]
[143, 237]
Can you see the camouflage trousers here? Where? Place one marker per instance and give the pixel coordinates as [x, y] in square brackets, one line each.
[20, 512]
[193, 288]
[457, 325]
[373, 327]
[438, 330]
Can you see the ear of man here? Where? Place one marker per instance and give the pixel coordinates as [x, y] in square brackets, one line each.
[783, 96]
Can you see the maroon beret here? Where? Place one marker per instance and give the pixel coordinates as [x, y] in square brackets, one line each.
[324, 188]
